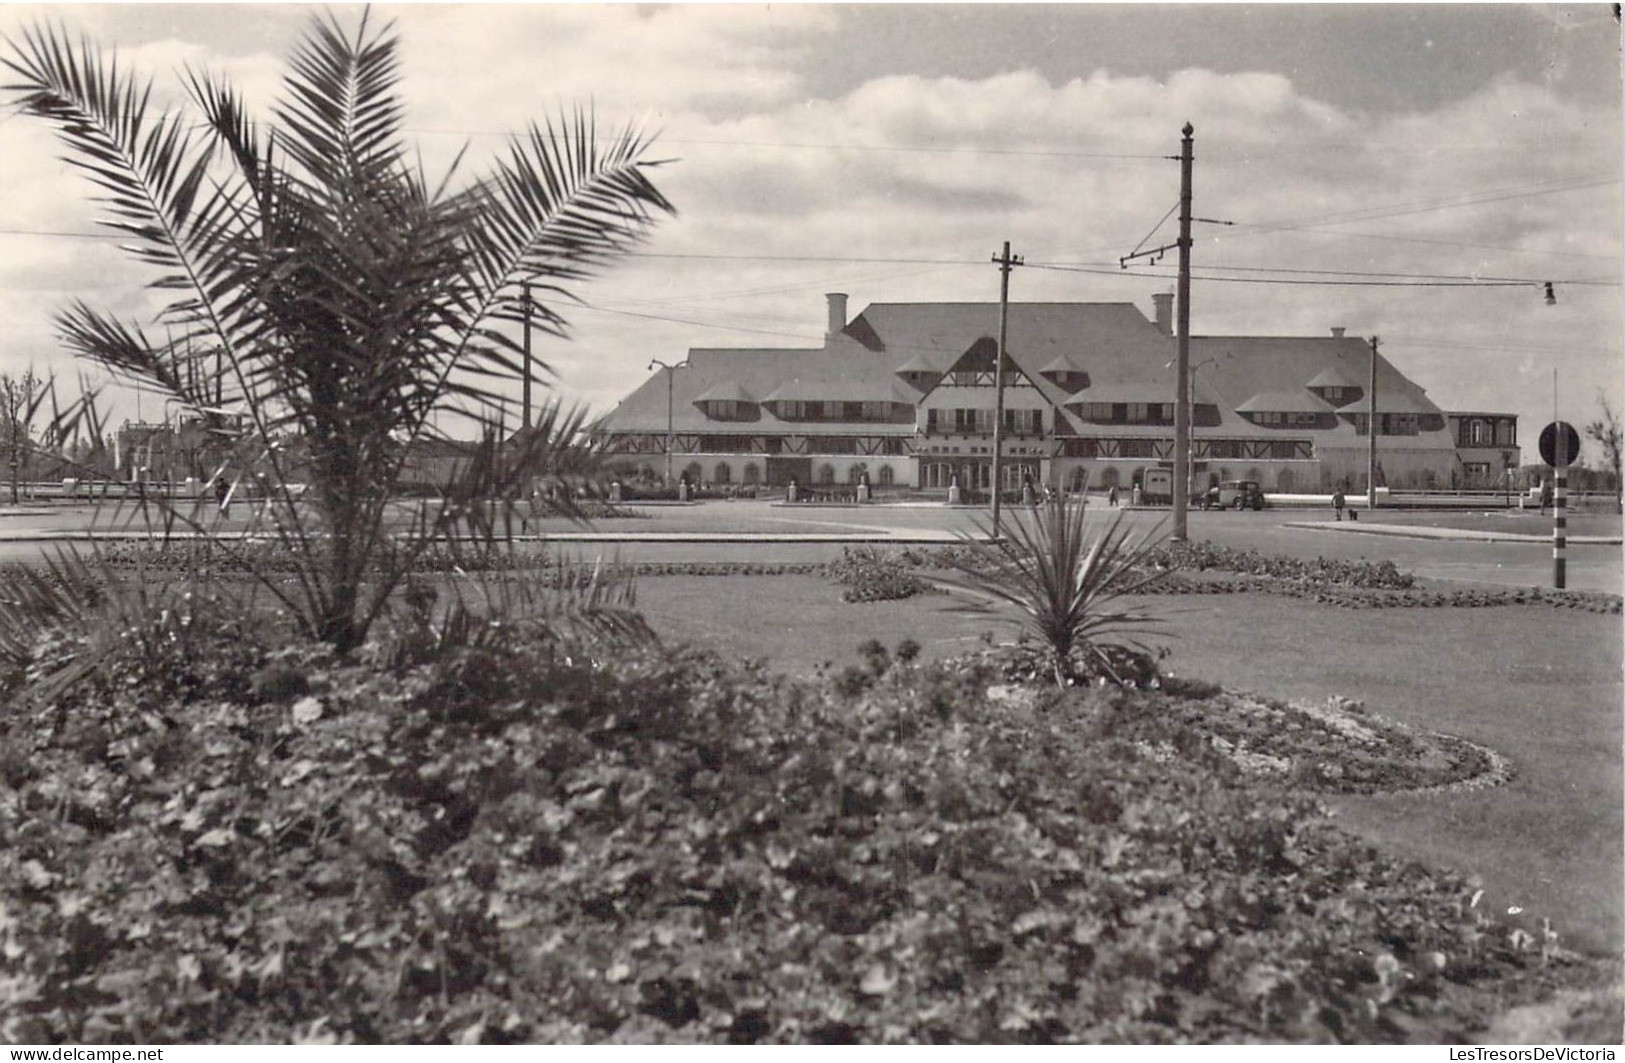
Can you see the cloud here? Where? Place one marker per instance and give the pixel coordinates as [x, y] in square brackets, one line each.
[942, 169]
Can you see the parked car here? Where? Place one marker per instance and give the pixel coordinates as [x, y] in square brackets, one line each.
[1234, 494]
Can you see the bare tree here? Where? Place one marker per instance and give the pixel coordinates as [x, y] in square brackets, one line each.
[1605, 430]
[21, 398]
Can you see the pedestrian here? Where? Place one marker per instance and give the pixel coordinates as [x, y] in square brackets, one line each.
[1545, 496]
[1111, 497]
[222, 495]
[1134, 497]
[1338, 501]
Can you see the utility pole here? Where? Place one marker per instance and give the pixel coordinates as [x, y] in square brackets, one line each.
[670, 431]
[1182, 409]
[1005, 262]
[1371, 433]
[525, 399]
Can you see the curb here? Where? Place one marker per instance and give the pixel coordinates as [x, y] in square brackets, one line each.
[1404, 531]
[905, 537]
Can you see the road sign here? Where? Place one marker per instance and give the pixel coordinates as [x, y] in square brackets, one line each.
[1549, 440]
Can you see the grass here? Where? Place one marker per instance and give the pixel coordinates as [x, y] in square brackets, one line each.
[1543, 688]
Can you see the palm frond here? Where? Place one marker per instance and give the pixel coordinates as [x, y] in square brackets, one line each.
[1063, 576]
[341, 114]
[149, 167]
[556, 209]
[323, 289]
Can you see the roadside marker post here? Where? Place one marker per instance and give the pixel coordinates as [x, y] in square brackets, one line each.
[1559, 445]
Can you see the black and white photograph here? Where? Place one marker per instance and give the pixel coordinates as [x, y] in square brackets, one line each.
[811, 524]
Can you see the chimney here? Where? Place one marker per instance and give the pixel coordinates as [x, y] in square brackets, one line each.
[1337, 332]
[837, 313]
[1164, 302]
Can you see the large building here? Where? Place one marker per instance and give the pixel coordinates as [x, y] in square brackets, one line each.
[905, 393]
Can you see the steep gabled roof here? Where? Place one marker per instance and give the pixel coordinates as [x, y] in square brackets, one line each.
[1390, 402]
[725, 391]
[802, 389]
[1125, 356]
[917, 364]
[845, 367]
[1124, 391]
[1331, 377]
[1061, 363]
[1286, 400]
[1245, 366]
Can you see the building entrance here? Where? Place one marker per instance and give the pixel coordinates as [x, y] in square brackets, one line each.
[975, 474]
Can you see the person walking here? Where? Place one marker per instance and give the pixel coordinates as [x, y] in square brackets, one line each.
[1111, 497]
[222, 495]
[1338, 502]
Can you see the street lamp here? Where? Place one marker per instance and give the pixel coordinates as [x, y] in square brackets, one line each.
[670, 435]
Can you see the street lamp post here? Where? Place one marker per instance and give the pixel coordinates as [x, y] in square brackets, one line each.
[670, 434]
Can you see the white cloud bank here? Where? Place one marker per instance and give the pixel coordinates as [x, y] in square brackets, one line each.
[1513, 181]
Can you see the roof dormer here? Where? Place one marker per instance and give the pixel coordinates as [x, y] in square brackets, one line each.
[728, 401]
[1065, 374]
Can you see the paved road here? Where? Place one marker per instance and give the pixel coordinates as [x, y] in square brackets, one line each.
[780, 533]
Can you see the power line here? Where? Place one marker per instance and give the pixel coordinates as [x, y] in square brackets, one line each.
[1442, 344]
[1388, 238]
[700, 324]
[1297, 281]
[1462, 277]
[805, 258]
[778, 289]
[1020, 153]
[1103, 269]
[1541, 188]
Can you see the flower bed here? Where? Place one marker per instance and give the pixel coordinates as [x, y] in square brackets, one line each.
[1334, 748]
[1199, 556]
[517, 844]
[870, 574]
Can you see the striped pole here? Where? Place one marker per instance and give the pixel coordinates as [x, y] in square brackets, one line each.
[1560, 483]
[1560, 493]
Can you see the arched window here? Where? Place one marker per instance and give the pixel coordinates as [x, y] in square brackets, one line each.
[753, 473]
[887, 477]
[854, 473]
[1254, 475]
[723, 474]
[826, 474]
[693, 472]
[1110, 477]
[1284, 480]
[1080, 479]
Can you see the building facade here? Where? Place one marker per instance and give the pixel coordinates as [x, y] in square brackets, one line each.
[1487, 445]
[905, 394]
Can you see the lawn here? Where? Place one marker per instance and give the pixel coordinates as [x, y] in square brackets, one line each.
[501, 833]
[1538, 684]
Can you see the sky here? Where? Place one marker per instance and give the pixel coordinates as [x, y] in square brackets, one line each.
[1468, 152]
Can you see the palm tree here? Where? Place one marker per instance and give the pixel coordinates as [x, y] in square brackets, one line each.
[321, 286]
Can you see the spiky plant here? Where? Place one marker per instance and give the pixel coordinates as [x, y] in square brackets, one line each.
[1066, 576]
[327, 301]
